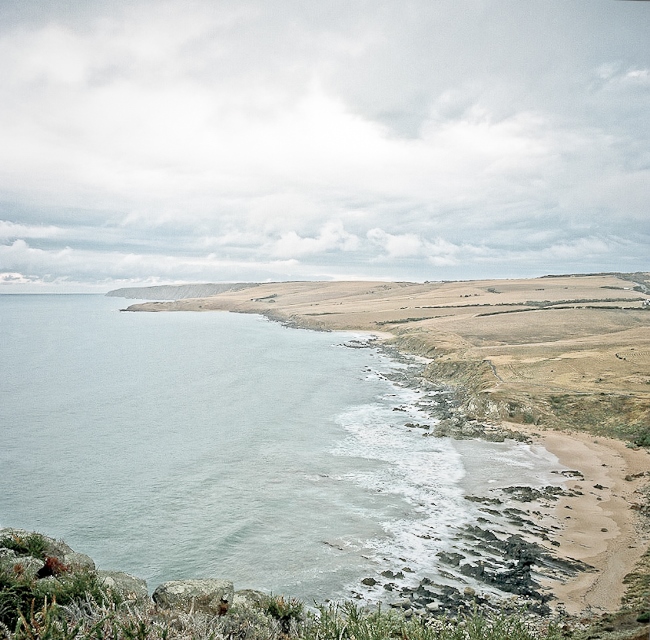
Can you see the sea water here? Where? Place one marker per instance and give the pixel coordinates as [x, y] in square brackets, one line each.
[179, 445]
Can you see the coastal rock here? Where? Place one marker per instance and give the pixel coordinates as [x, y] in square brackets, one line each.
[402, 603]
[572, 473]
[37, 556]
[390, 574]
[249, 598]
[530, 494]
[461, 428]
[128, 587]
[483, 499]
[207, 595]
[78, 561]
[452, 559]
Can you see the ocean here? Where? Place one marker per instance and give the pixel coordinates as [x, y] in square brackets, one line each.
[180, 445]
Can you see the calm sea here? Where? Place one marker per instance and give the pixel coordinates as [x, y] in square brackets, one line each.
[173, 445]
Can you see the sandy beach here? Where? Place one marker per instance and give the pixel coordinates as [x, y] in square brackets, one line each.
[565, 360]
[597, 527]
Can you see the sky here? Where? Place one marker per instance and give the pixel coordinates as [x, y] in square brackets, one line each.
[216, 140]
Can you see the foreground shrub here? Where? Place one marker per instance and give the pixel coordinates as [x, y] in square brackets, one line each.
[21, 595]
[287, 612]
[90, 620]
[349, 622]
[31, 544]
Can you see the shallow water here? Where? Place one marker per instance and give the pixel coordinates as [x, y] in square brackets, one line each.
[174, 445]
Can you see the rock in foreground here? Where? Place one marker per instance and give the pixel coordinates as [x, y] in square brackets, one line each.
[205, 595]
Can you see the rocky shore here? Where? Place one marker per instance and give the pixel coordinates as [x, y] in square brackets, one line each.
[507, 560]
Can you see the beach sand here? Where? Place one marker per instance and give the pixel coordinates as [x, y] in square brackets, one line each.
[597, 527]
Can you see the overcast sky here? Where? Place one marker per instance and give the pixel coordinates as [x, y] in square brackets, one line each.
[154, 142]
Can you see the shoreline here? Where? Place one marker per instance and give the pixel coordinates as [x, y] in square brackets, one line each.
[599, 527]
[594, 523]
[603, 462]
[587, 538]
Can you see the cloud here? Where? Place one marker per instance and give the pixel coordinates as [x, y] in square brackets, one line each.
[235, 140]
[83, 266]
[397, 246]
[580, 249]
[614, 77]
[332, 236]
[15, 279]
[10, 230]
[437, 252]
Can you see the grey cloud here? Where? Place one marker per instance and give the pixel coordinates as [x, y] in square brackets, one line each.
[236, 140]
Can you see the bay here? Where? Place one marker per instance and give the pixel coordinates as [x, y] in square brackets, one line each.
[174, 445]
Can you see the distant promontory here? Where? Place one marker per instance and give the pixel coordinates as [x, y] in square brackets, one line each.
[178, 291]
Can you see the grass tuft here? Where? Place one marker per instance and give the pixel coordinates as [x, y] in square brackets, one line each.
[32, 544]
[21, 595]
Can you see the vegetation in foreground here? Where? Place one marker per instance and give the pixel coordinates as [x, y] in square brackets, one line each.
[87, 620]
[57, 601]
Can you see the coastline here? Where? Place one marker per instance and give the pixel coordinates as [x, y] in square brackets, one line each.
[536, 363]
[593, 523]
